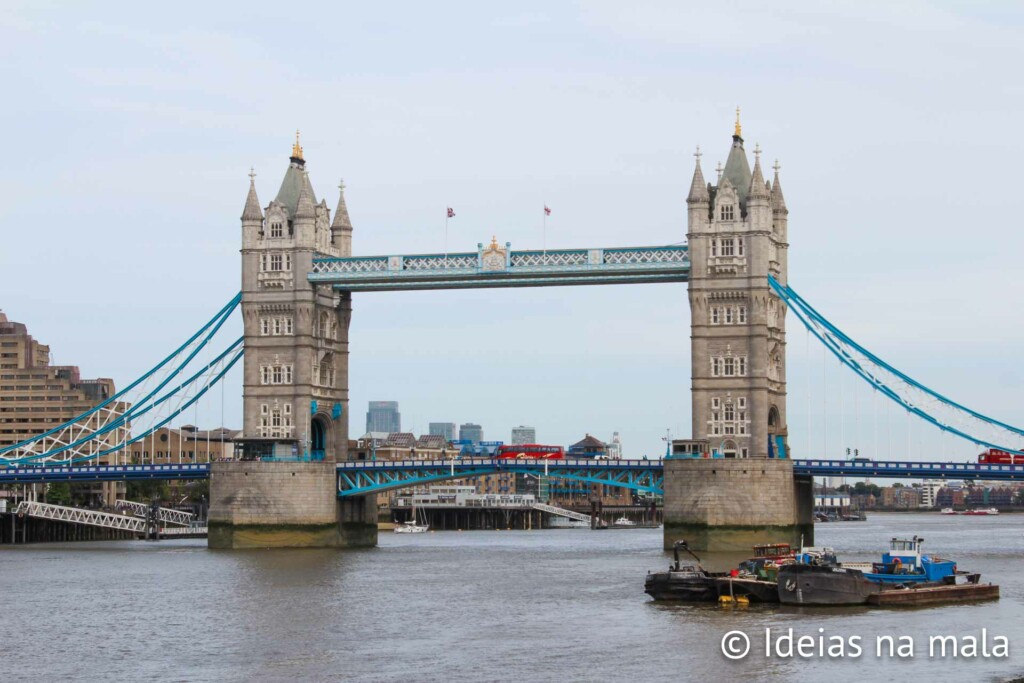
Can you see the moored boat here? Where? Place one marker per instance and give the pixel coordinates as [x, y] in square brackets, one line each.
[411, 527]
[624, 521]
[903, 567]
[982, 512]
[757, 578]
[808, 584]
[753, 588]
[687, 583]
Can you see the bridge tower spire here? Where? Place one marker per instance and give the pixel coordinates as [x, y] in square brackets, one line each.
[295, 380]
[739, 336]
[737, 238]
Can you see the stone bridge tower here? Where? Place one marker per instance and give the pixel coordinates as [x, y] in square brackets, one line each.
[744, 491]
[296, 334]
[295, 424]
[737, 237]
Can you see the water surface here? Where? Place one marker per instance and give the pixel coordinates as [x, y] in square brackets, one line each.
[559, 605]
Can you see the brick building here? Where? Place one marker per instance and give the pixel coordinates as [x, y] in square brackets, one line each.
[36, 397]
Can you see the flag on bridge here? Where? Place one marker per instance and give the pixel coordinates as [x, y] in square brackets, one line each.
[547, 211]
[451, 212]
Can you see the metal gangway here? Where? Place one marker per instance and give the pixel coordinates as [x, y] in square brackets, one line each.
[60, 513]
[105, 520]
[165, 515]
[578, 516]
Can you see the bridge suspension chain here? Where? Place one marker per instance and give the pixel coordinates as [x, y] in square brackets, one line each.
[107, 428]
[913, 396]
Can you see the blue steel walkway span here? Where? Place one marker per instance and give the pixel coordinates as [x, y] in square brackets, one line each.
[498, 266]
[360, 477]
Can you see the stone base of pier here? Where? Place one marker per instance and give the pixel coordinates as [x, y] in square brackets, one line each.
[285, 505]
[730, 505]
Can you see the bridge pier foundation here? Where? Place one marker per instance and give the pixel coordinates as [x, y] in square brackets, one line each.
[285, 505]
[730, 505]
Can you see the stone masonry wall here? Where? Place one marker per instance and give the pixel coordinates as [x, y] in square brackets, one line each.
[264, 504]
[718, 504]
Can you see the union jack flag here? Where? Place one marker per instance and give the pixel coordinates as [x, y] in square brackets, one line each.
[451, 212]
[547, 211]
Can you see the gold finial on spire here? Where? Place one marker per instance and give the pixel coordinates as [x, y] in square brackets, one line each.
[297, 148]
[739, 131]
[494, 242]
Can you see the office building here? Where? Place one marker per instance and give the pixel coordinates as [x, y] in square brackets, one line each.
[445, 430]
[185, 445]
[35, 397]
[523, 434]
[383, 416]
[471, 432]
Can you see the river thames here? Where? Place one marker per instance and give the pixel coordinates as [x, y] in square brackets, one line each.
[559, 605]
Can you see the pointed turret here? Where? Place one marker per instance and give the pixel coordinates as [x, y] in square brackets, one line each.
[252, 211]
[341, 228]
[737, 168]
[757, 190]
[698, 187]
[778, 201]
[304, 205]
[341, 219]
[294, 181]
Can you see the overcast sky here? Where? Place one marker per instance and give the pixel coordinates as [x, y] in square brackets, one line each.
[129, 130]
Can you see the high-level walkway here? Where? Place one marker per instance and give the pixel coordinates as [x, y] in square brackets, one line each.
[511, 269]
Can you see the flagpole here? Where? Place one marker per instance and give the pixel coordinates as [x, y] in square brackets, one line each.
[545, 223]
[446, 237]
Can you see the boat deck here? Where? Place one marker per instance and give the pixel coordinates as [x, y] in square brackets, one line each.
[964, 592]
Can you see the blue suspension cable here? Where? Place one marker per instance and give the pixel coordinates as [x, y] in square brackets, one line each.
[791, 295]
[217, 320]
[127, 415]
[831, 344]
[206, 387]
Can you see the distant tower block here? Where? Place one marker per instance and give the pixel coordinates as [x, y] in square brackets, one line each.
[295, 380]
[737, 238]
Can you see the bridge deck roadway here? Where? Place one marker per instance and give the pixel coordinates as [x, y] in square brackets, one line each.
[631, 473]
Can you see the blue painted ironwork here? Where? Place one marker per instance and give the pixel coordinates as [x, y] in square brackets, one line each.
[29, 474]
[909, 470]
[873, 370]
[210, 330]
[235, 348]
[510, 268]
[361, 477]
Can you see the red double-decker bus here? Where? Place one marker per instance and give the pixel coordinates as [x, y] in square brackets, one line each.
[531, 451]
[994, 456]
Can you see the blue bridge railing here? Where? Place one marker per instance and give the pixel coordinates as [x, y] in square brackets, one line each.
[361, 477]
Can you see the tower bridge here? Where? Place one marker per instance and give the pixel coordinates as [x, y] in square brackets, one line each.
[297, 484]
[298, 279]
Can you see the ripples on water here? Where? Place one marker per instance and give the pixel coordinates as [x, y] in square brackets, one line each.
[562, 605]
